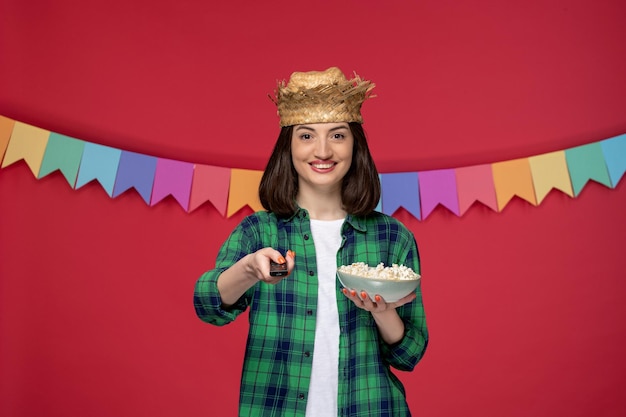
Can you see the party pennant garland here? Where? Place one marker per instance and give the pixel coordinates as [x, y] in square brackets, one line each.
[229, 189]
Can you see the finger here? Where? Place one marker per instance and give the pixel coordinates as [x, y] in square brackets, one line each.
[366, 298]
[261, 261]
[278, 265]
[270, 254]
[350, 293]
[290, 258]
[379, 303]
[368, 304]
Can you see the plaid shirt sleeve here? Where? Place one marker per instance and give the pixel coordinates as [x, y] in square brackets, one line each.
[405, 354]
[207, 299]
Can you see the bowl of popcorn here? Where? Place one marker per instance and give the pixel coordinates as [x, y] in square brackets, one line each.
[390, 282]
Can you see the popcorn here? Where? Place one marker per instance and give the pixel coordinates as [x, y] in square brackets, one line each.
[393, 272]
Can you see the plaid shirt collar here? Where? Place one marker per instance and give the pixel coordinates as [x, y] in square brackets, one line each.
[357, 222]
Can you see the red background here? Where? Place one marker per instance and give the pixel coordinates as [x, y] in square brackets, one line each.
[525, 306]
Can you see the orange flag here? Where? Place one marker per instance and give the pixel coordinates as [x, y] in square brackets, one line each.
[513, 178]
[244, 190]
[6, 128]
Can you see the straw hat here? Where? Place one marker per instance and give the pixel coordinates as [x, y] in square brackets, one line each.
[321, 97]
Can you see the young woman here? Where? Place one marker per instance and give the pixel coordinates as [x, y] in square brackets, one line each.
[314, 348]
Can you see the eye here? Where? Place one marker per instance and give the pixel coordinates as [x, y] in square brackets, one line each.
[305, 136]
[338, 136]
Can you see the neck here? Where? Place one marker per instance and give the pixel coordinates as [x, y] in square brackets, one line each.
[322, 205]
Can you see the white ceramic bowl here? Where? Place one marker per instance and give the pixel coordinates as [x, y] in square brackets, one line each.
[389, 289]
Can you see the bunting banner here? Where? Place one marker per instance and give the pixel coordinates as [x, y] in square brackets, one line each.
[229, 190]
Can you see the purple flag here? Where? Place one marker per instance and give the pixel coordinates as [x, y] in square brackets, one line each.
[400, 190]
[135, 170]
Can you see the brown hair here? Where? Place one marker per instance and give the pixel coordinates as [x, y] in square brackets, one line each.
[360, 190]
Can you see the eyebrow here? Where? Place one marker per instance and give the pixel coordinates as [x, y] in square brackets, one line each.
[305, 127]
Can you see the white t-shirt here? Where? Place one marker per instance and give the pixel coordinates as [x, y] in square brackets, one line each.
[322, 399]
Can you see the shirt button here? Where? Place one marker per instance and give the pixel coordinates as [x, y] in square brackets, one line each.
[306, 237]
[307, 354]
[311, 273]
[301, 396]
[309, 312]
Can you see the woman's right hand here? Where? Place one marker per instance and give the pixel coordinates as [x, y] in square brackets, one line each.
[248, 271]
[259, 264]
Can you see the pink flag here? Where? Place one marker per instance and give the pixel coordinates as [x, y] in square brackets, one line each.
[438, 187]
[210, 184]
[475, 183]
[172, 178]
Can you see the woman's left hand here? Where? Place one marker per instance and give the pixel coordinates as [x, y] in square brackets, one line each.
[378, 304]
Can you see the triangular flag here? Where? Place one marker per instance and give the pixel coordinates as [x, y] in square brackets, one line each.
[475, 183]
[438, 187]
[401, 189]
[172, 178]
[586, 163]
[99, 163]
[244, 190]
[28, 143]
[210, 184]
[62, 153]
[550, 171]
[614, 150]
[6, 128]
[135, 171]
[513, 178]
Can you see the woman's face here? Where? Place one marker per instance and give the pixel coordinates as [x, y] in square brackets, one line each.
[321, 154]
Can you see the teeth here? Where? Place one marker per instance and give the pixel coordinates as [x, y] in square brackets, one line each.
[322, 166]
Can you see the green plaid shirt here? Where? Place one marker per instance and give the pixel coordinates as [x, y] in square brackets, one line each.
[279, 351]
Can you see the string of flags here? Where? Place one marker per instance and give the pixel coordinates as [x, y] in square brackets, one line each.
[230, 189]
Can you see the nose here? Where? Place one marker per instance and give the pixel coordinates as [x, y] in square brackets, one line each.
[323, 149]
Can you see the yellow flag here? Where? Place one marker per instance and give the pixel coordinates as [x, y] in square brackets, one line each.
[28, 143]
[550, 171]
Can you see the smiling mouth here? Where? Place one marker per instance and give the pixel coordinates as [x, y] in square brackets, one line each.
[323, 166]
